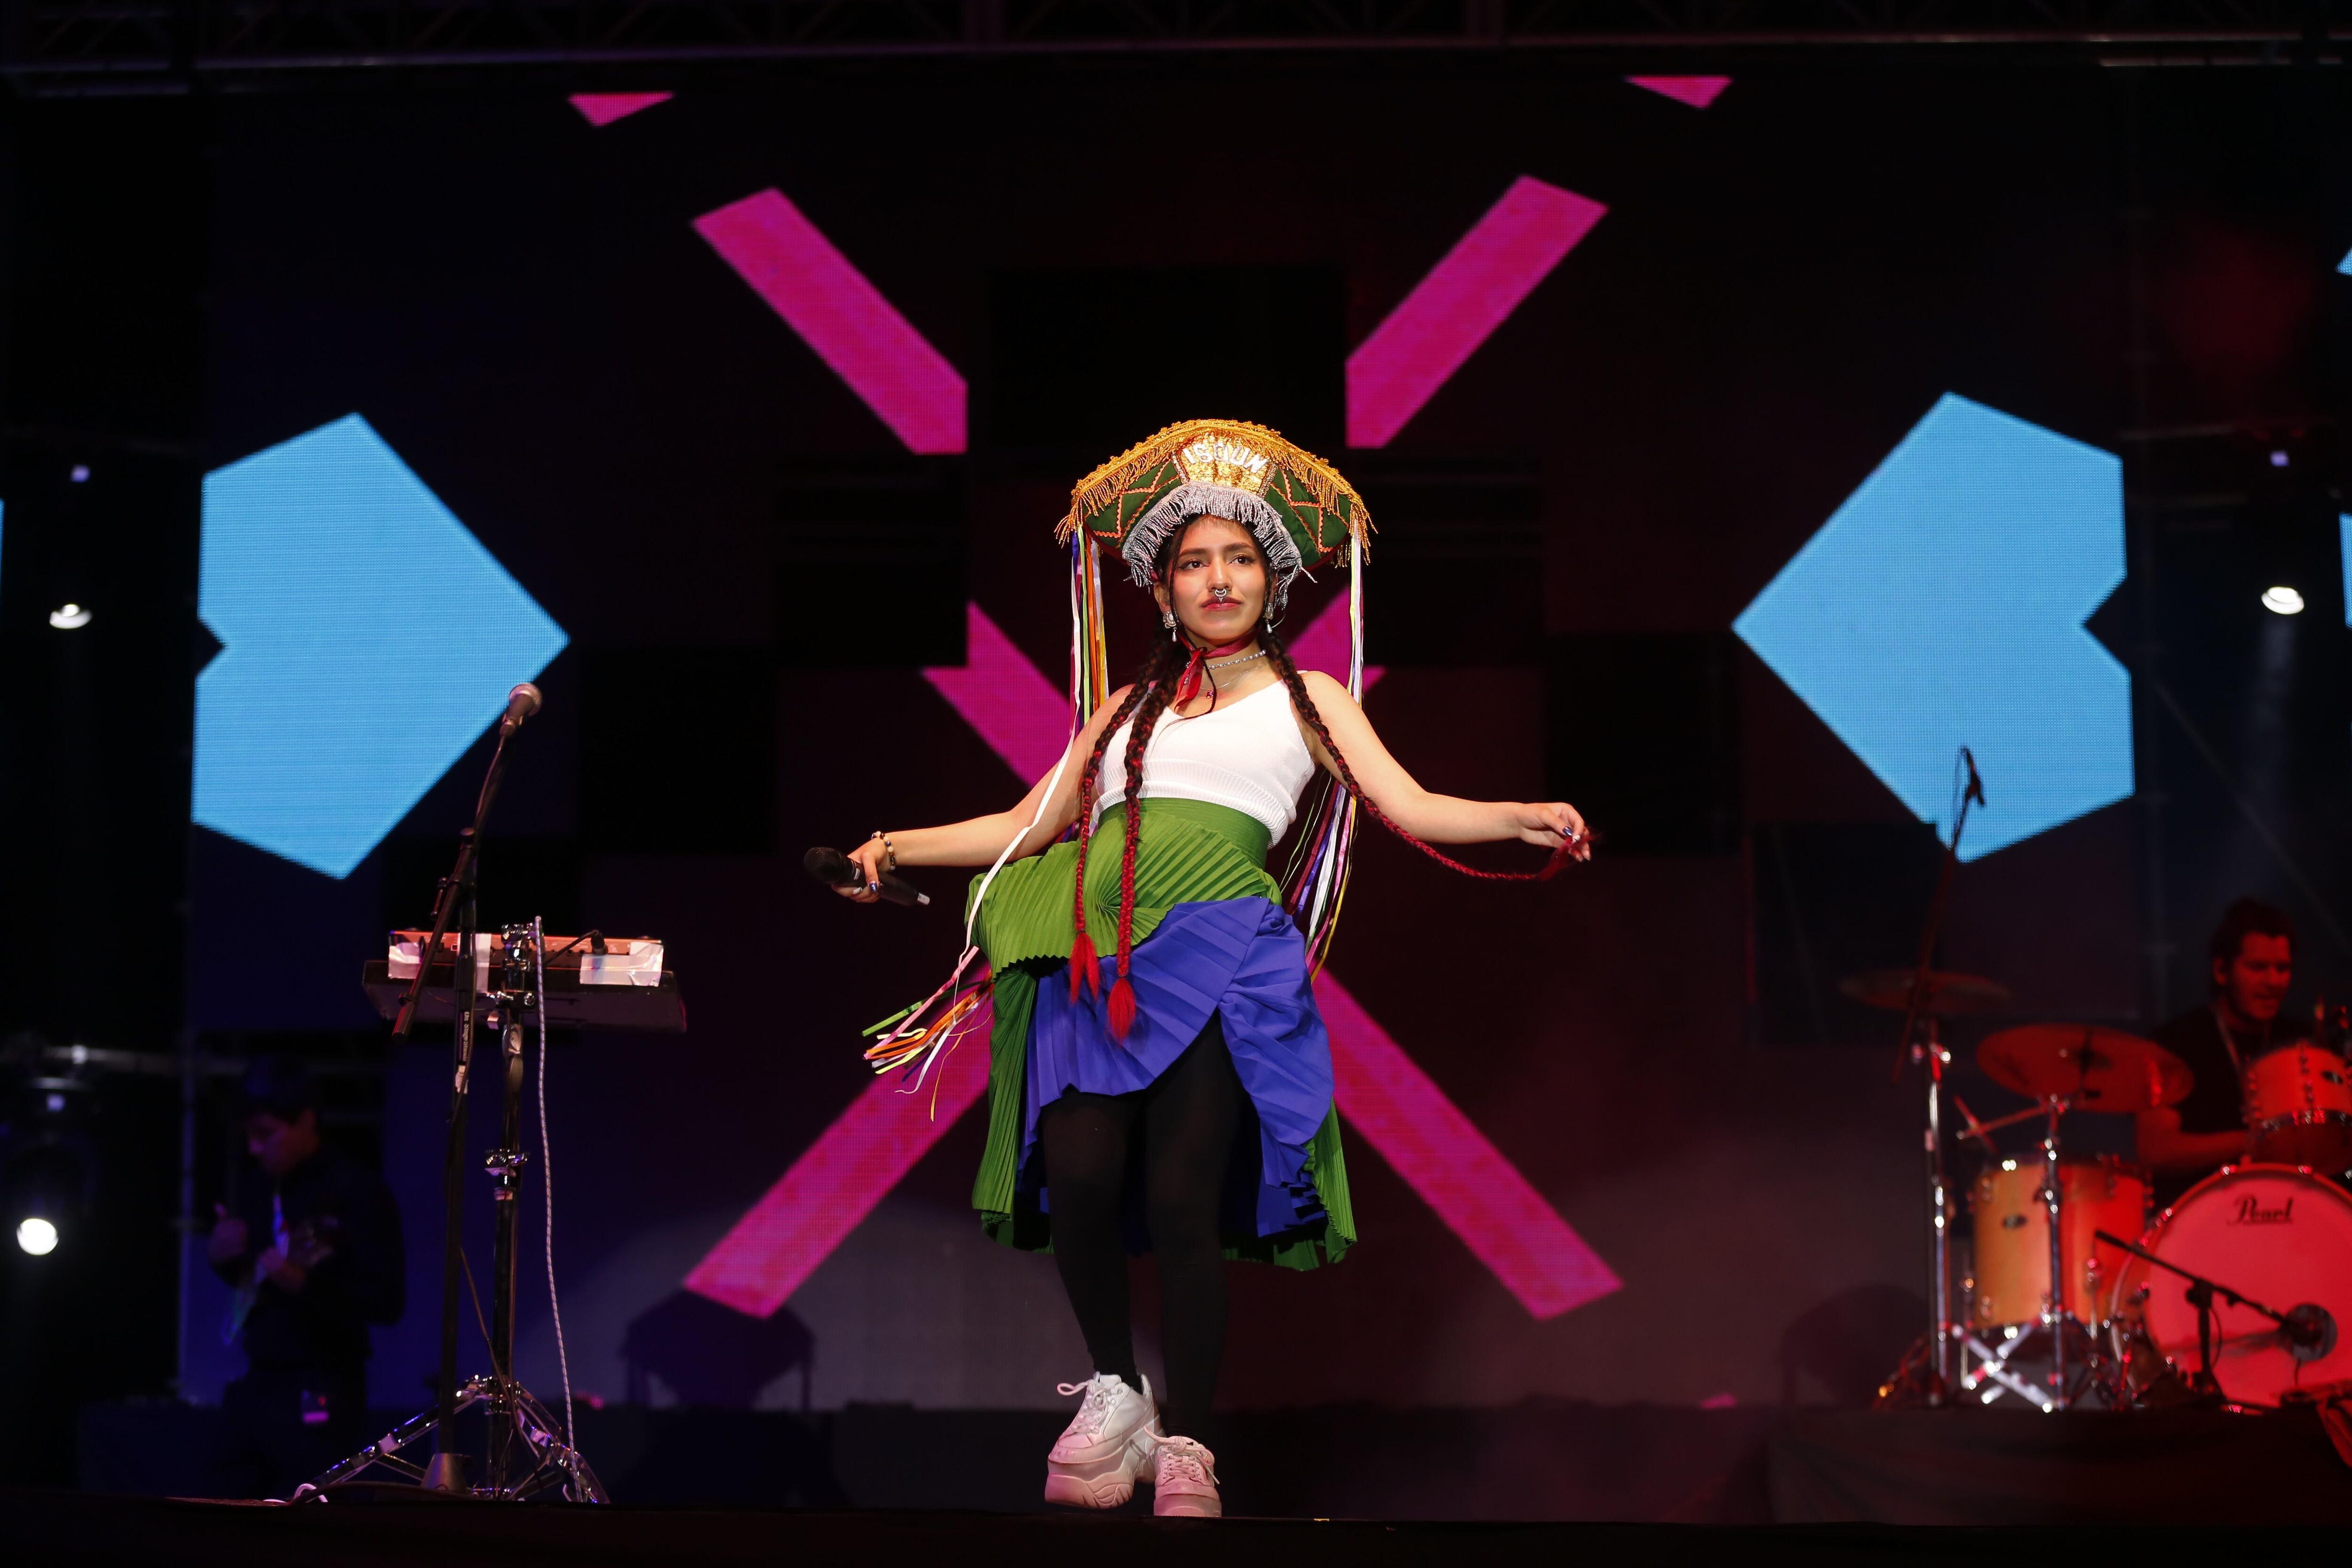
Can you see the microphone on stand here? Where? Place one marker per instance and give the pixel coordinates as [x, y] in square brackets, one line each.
[831, 866]
[522, 704]
[1975, 791]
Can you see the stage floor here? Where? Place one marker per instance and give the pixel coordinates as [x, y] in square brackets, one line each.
[1543, 1462]
[64, 1528]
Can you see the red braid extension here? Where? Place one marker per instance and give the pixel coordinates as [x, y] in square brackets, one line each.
[1147, 718]
[1086, 970]
[1280, 657]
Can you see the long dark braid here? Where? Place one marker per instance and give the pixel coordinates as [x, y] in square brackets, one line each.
[1152, 684]
[1279, 656]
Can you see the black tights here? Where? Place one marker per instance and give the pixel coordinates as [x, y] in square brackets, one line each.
[1187, 1121]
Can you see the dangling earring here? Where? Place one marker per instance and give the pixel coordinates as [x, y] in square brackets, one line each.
[1168, 619]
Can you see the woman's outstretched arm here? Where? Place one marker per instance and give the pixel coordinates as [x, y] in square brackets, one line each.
[979, 840]
[1435, 818]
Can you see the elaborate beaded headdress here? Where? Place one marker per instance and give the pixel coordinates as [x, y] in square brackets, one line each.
[1300, 508]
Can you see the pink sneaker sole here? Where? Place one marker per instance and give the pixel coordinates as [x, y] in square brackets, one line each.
[1188, 1505]
[1104, 1483]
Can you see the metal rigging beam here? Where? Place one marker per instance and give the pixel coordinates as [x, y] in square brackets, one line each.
[49, 45]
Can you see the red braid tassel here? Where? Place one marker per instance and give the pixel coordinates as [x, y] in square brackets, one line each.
[1086, 968]
[1122, 994]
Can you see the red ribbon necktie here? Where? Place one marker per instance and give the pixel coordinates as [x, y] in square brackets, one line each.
[1187, 685]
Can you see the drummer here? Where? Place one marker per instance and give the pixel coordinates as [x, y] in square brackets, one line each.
[2252, 959]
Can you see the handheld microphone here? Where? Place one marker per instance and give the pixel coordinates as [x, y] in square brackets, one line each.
[522, 704]
[832, 867]
[1975, 781]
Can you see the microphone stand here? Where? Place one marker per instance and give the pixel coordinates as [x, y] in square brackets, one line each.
[454, 899]
[2309, 1326]
[526, 1458]
[1932, 1052]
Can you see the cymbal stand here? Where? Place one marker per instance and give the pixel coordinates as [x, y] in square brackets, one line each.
[1935, 1386]
[2054, 1315]
[1932, 1053]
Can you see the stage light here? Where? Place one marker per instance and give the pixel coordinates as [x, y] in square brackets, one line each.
[81, 473]
[37, 1235]
[2282, 601]
[2278, 459]
[69, 617]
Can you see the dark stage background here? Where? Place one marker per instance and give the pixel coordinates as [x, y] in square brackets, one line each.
[752, 570]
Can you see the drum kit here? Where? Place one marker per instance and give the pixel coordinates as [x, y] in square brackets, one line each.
[2233, 1294]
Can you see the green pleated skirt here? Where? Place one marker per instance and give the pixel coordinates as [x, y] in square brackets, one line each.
[1187, 852]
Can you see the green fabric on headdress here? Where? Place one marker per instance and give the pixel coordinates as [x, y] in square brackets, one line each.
[1301, 511]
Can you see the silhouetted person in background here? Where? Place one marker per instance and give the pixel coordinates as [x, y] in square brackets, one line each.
[313, 1253]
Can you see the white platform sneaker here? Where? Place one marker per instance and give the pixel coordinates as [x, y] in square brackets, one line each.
[1106, 1445]
[1184, 1479]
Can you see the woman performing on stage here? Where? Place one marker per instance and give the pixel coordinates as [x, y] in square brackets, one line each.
[1159, 1073]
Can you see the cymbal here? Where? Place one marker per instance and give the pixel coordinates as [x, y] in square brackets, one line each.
[1947, 993]
[2096, 1068]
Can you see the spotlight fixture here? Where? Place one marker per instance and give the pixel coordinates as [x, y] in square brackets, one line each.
[2278, 459]
[69, 617]
[2282, 601]
[37, 1235]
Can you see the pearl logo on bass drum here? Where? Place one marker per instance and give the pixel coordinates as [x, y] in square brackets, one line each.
[2249, 1211]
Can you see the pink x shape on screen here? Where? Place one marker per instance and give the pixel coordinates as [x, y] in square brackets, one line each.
[837, 1182]
[1497, 1212]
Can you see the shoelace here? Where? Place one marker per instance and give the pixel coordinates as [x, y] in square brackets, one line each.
[1193, 1462]
[1097, 1409]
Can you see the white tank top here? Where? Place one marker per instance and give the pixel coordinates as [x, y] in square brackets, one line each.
[1246, 755]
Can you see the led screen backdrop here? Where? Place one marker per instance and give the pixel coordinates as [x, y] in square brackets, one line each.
[1733, 467]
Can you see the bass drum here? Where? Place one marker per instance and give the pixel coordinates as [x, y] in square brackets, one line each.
[2278, 1234]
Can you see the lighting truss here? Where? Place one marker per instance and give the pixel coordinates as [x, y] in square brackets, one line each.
[117, 45]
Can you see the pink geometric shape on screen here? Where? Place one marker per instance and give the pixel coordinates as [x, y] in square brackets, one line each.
[1464, 297]
[1325, 645]
[808, 282]
[603, 108]
[837, 1182]
[1698, 91]
[1000, 693]
[1498, 1215]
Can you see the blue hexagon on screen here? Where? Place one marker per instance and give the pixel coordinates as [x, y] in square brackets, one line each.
[367, 639]
[1943, 604]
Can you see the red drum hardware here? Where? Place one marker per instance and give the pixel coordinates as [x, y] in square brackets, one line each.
[2234, 1294]
[2299, 1109]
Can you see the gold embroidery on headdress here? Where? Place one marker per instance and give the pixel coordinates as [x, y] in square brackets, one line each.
[1222, 460]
